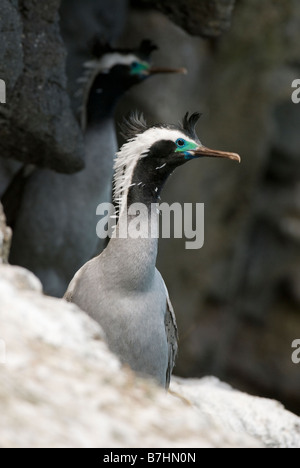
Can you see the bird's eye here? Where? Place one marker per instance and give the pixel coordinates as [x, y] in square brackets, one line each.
[135, 65]
[180, 142]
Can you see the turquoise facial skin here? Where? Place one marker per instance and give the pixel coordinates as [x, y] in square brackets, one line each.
[185, 148]
[140, 68]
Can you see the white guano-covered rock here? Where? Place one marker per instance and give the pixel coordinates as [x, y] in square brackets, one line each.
[61, 387]
[264, 419]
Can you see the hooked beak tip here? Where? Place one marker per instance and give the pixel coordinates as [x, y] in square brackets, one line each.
[234, 157]
[203, 151]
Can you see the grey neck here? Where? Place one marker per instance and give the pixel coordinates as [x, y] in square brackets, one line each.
[135, 258]
[100, 143]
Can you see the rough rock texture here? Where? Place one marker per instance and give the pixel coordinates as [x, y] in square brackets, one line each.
[5, 238]
[37, 125]
[266, 420]
[61, 387]
[208, 18]
[237, 299]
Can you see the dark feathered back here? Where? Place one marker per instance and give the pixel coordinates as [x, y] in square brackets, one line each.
[99, 47]
[147, 47]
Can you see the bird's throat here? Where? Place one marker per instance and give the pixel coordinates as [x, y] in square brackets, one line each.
[137, 232]
[134, 245]
[147, 183]
[103, 97]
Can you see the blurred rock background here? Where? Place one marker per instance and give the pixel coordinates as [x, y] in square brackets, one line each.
[237, 299]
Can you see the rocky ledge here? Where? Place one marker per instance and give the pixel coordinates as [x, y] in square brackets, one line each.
[61, 387]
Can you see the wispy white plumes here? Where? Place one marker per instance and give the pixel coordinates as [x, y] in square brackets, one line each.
[134, 150]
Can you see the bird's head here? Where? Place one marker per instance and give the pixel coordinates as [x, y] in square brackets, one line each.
[130, 65]
[112, 72]
[142, 66]
[151, 154]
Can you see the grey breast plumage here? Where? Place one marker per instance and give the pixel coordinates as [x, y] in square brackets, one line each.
[139, 325]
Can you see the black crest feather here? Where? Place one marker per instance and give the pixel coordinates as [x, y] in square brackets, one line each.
[189, 124]
[146, 48]
[98, 47]
[133, 125]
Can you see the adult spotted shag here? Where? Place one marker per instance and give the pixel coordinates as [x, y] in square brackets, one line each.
[122, 289]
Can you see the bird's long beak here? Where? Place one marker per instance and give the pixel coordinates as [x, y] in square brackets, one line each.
[157, 70]
[202, 151]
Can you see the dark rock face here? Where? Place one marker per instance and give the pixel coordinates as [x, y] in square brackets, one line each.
[207, 18]
[11, 53]
[37, 125]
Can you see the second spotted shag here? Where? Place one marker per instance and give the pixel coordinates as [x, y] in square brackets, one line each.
[122, 289]
[54, 224]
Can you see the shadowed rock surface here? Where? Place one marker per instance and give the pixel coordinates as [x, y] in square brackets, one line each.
[37, 125]
[207, 18]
